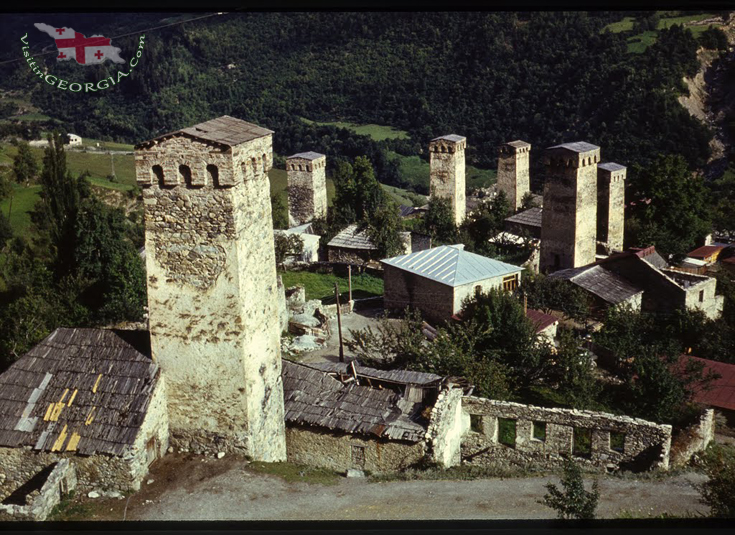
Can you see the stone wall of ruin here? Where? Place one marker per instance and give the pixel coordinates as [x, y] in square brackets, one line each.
[314, 446]
[444, 433]
[646, 444]
[693, 439]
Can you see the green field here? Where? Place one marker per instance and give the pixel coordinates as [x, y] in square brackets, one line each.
[415, 171]
[375, 131]
[106, 145]
[407, 198]
[637, 44]
[624, 25]
[321, 285]
[24, 198]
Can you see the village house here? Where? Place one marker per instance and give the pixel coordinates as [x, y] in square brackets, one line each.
[353, 246]
[310, 250]
[347, 417]
[546, 325]
[92, 396]
[707, 253]
[438, 280]
[642, 279]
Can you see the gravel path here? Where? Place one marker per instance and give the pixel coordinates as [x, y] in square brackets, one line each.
[211, 489]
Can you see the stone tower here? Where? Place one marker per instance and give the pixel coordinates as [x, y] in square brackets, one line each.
[211, 269]
[513, 175]
[307, 187]
[569, 218]
[611, 205]
[446, 178]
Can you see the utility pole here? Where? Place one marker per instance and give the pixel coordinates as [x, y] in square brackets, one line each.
[112, 164]
[349, 279]
[339, 324]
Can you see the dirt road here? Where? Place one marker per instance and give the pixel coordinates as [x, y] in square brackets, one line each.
[227, 489]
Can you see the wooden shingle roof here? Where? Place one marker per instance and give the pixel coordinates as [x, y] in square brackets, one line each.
[312, 397]
[82, 390]
[224, 130]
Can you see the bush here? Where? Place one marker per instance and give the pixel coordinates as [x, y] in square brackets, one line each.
[574, 502]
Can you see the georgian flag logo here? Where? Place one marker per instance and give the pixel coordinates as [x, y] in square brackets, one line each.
[85, 50]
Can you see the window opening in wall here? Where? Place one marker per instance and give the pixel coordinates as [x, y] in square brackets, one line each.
[510, 282]
[701, 296]
[185, 173]
[478, 289]
[557, 261]
[617, 441]
[151, 450]
[213, 173]
[158, 173]
[539, 431]
[476, 423]
[358, 457]
[507, 432]
[582, 443]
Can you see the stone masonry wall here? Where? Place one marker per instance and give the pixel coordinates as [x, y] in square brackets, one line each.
[645, 443]
[569, 218]
[447, 174]
[444, 433]
[212, 291]
[513, 173]
[307, 189]
[611, 207]
[60, 481]
[402, 288]
[693, 439]
[337, 451]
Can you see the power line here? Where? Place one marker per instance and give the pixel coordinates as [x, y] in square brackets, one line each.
[128, 34]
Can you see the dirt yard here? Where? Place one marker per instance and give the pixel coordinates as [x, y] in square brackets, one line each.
[189, 487]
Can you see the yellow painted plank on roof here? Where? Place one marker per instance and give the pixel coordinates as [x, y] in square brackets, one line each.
[90, 416]
[60, 440]
[63, 396]
[96, 384]
[58, 407]
[72, 397]
[73, 441]
[48, 412]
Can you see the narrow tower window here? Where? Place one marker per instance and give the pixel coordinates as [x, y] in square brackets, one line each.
[185, 174]
[213, 173]
[158, 173]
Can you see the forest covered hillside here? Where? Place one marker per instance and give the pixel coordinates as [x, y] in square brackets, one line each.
[544, 77]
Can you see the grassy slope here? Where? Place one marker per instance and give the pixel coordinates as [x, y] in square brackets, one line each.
[321, 285]
[637, 44]
[375, 131]
[24, 198]
[416, 171]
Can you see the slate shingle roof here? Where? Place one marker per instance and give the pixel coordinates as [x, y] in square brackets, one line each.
[451, 137]
[530, 217]
[404, 377]
[225, 130]
[610, 166]
[577, 146]
[350, 238]
[83, 390]
[451, 265]
[603, 283]
[311, 155]
[312, 397]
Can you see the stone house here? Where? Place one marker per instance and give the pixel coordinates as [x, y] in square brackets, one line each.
[707, 253]
[91, 396]
[526, 223]
[642, 278]
[74, 139]
[310, 251]
[546, 325]
[438, 280]
[353, 246]
[342, 417]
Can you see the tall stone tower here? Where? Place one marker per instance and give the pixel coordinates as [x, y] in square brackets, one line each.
[569, 218]
[307, 187]
[212, 283]
[513, 175]
[611, 205]
[446, 175]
